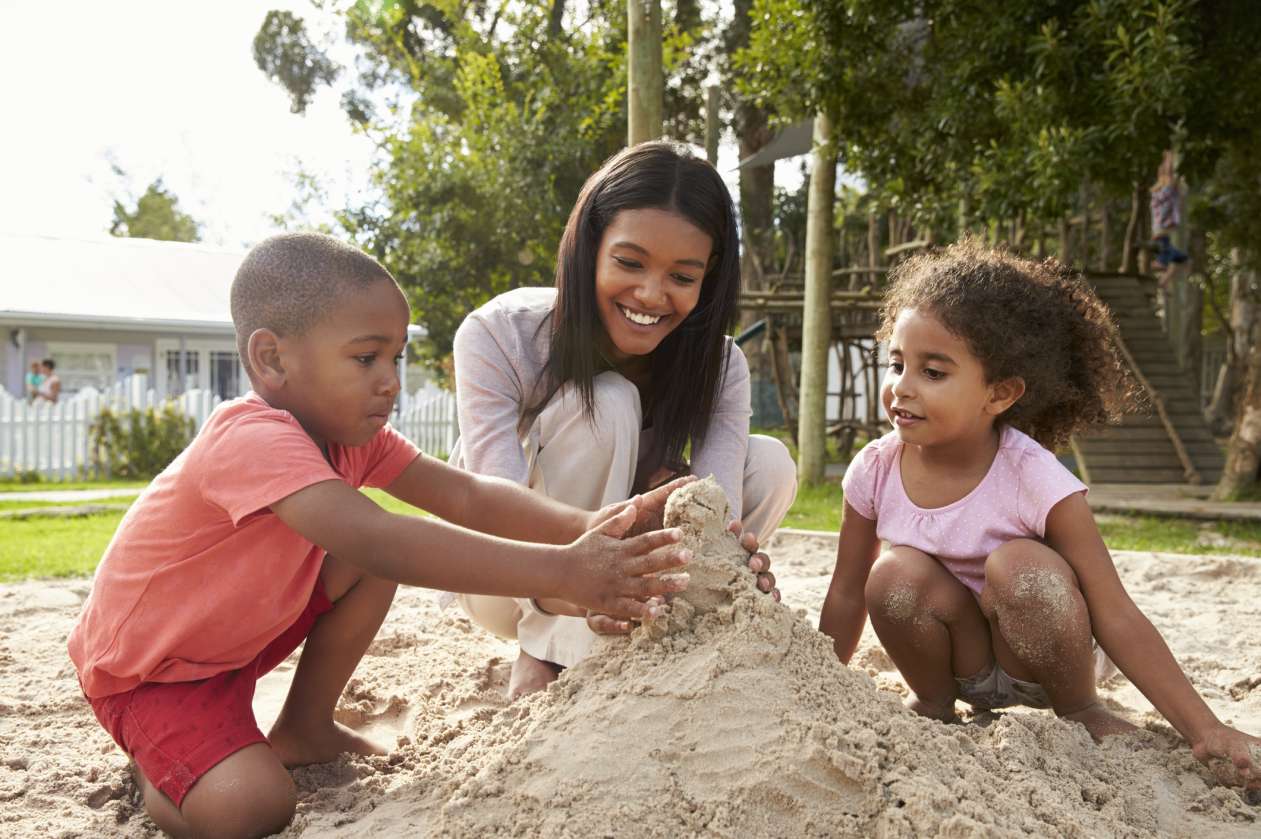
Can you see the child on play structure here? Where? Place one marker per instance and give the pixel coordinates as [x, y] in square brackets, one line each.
[994, 585]
[256, 538]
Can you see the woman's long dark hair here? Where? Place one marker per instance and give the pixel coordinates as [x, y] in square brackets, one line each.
[688, 365]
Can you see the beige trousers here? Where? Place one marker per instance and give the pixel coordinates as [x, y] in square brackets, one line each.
[591, 464]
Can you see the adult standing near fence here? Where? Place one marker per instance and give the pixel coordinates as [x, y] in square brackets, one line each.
[594, 390]
[50, 388]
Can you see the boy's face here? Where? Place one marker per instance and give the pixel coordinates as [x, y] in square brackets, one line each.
[341, 376]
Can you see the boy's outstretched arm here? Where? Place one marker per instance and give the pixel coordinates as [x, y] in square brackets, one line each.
[599, 570]
[1129, 638]
[845, 608]
[504, 508]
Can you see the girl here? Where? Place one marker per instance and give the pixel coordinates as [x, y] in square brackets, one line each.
[592, 391]
[995, 586]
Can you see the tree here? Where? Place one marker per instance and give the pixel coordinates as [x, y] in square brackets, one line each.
[156, 216]
[1022, 114]
[496, 115]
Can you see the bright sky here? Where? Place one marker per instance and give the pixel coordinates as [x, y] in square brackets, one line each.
[163, 88]
[167, 88]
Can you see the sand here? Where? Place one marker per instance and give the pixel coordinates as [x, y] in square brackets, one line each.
[730, 718]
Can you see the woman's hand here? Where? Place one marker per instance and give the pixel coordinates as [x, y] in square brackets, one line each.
[759, 562]
[1235, 757]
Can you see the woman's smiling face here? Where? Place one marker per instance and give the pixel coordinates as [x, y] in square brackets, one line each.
[648, 278]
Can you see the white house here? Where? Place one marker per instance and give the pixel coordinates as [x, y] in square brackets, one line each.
[106, 308]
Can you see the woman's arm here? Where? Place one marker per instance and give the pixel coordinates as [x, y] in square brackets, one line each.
[489, 394]
[726, 444]
[1129, 638]
[844, 608]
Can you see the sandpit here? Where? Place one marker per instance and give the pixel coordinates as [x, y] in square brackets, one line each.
[731, 717]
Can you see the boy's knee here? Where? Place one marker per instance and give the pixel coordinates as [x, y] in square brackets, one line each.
[254, 795]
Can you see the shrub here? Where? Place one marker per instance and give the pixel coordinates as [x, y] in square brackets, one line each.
[139, 443]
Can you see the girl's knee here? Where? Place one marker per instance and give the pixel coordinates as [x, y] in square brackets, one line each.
[898, 581]
[1026, 574]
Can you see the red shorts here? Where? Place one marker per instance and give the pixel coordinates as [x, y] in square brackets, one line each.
[177, 731]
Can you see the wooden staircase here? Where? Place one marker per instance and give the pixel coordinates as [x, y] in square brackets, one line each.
[1168, 443]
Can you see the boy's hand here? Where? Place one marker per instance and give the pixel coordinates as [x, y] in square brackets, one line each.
[759, 563]
[1241, 754]
[650, 508]
[607, 571]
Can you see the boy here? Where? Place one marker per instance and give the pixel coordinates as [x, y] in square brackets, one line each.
[256, 538]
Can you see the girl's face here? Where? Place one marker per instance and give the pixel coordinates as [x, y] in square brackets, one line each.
[935, 391]
[648, 277]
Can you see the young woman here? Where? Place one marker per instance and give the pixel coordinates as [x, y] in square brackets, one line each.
[603, 386]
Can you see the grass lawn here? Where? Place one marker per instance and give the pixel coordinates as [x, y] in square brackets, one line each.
[57, 486]
[70, 547]
[6, 504]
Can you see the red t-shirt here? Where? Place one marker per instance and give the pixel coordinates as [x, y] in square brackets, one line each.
[201, 574]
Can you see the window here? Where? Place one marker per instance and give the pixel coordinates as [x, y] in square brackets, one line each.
[225, 373]
[83, 365]
[175, 383]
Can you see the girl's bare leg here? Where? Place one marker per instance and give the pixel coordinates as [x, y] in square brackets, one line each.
[305, 731]
[930, 625]
[1041, 630]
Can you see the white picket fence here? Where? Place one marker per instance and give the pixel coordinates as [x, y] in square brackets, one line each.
[53, 439]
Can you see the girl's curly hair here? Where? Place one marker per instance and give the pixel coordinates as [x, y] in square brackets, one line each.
[1035, 320]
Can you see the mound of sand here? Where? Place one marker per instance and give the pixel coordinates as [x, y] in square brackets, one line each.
[734, 717]
[730, 718]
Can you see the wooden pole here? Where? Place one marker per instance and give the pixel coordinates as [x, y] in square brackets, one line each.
[816, 319]
[712, 125]
[645, 78]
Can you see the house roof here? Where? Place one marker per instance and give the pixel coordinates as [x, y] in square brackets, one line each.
[117, 283]
[113, 282]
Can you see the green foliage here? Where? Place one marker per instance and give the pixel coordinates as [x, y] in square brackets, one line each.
[156, 216]
[497, 115]
[286, 55]
[1013, 105]
[139, 443]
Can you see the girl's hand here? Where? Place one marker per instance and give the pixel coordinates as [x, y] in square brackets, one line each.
[1235, 757]
[614, 574]
[759, 562]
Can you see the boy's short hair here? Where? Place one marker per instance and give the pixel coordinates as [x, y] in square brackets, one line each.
[290, 282]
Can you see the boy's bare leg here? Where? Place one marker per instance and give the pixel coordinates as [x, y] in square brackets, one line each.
[1041, 630]
[305, 731]
[247, 794]
[530, 674]
[929, 624]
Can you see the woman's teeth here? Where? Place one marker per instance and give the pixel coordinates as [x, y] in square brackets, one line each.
[636, 317]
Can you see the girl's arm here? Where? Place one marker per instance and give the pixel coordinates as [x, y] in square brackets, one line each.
[844, 608]
[1129, 638]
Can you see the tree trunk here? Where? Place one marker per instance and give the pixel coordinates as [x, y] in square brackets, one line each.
[816, 320]
[712, 124]
[1244, 452]
[1191, 321]
[1105, 234]
[1130, 245]
[1066, 245]
[555, 19]
[1245, 323]
[645, 92]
